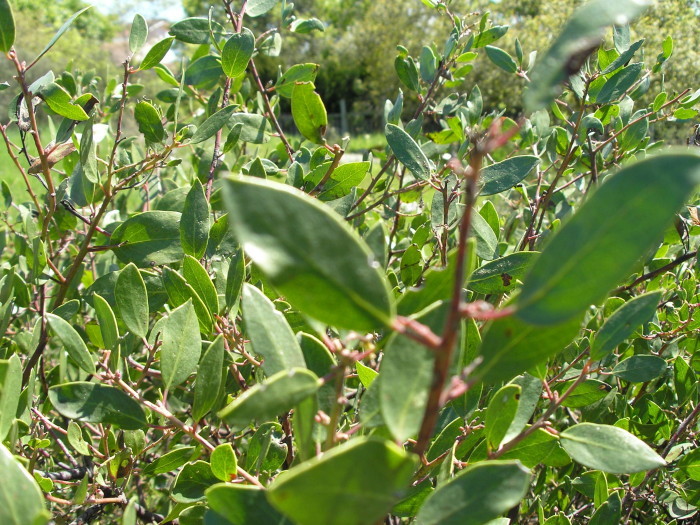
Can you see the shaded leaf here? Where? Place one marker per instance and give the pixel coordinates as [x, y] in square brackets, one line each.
[243, 505]
[209, 377]
[407, 151]
[192, 481]
[72, 342]
[196, 30]
[21, 500]
[213, 124]
[131, 297]
[107, 321]
[502, 176]
[640, 368]
[501, 275]
[500, 413]
[10, 389]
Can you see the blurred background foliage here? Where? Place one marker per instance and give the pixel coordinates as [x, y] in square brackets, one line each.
[357, 48]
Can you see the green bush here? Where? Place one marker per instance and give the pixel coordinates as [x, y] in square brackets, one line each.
[209, 317]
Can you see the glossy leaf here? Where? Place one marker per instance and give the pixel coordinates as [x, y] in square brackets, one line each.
[209, 378]
[276, 395]
[322, 267]
[60, 102]
[237, 52]
[501, 58]
[476, 495]
[97, 403]
[407, 151]
[192, 481]
[503, 175]
[269, 333]
[223, 462]
[602, 242]
[404, 383]
[243, 505]
[156, 54]
[610, 449]
[7, 26]
[623, 322]
[500, 413]
[640, 368]
[213, 124]
[131, 297]
[21, 500]
[297, 73]
[182, 345]
[138, 34]
[149, 238]
[580, 36]
[353, 498]
[309, 113]
[107, 321]
[149, 122]
[194, 222]
[72, 342]
[198, 278]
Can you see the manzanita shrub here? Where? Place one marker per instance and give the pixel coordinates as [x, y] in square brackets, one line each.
[212, 319]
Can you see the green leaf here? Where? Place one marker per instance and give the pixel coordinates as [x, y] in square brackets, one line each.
[107, 321]
[309, 113]
[269, 333]
[343, 179]
[489, 36]
[539, 448]
[501, 275]
[223, 462]
[182, 345]
[624, 57]
[169, 461]
[407, 151]
[365, 374]
[209, 377]
[197, 277]
[353, 498]
[502, 59]
[266, 400]
[476, 495]
[59, 101]
[149, 122]
[192, 481]
[156, 53]
[76, 439]
[586, 393]
[138, 34]
[21, 500]
[131, 297]
[96, 403]
[72, 342]
[603, 241]
[619, 83]
[309, 254]
[259, 7]
[88, 159]
[500, 413]
[623, 322]
[10, 390]
[511, 346]
[254, 128]
[243, 505]
[7, 26]
[194, 222]
[60, 32]
[196, 30]
[405, 380]
[237, 53]
[502, 176]
[297, 73]
[640, 368]
[610, 449]
[235, 279]
[580, 36]
[213, 124]
[179, 292]
[149, 238]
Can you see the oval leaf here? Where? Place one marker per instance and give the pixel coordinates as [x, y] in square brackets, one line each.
[72, 342]
[7, 26]
[209, 376]
[196, 30]
[407, 151]
[156, 53]
[96, 403]
[107, 321]
[149, 238]
[182, 345]
[194, 222]
[308, 112]
[322, 267]
[237, 53]
[21, 500]
[500, 414]
[197, 277]
[149, 122]
[131, 297]
[501, 275]
[243, 504]
[610, 449]
[502, 176]
[640, 368]
[603, 241]
[259, 7]
[213, 124]
[138, 34]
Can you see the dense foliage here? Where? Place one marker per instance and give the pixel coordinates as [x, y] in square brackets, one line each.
[211, 318]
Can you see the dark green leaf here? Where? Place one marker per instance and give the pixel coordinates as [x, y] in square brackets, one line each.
[269, 333]
[72, 342]
[339, 486]
[213, 124]
[407, 151]
[149, 238]
[7, 26]
[194, 222]
[209, 375]
[237, 53]
[624, 57]
[276, 395]
[586, 393]
[107, 321]
[619, 83]
[254, 128]
[149, 122]
[501, 275]
[476, 495]
[131, 297]
[156, 53]
[623, 322]
[308, 112]
[21, 500]
[502, 176]
[182, 345]
[96, 403]
[539, 448]
[610, 449]
[603, 241]
[196, 30]
[640, 368]
[192, 481]
[138, 34]
[243, 505]
[322, 267]
[204, 72]
[197, 277]
[502, 59]
[500, 413]
[235, 279]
